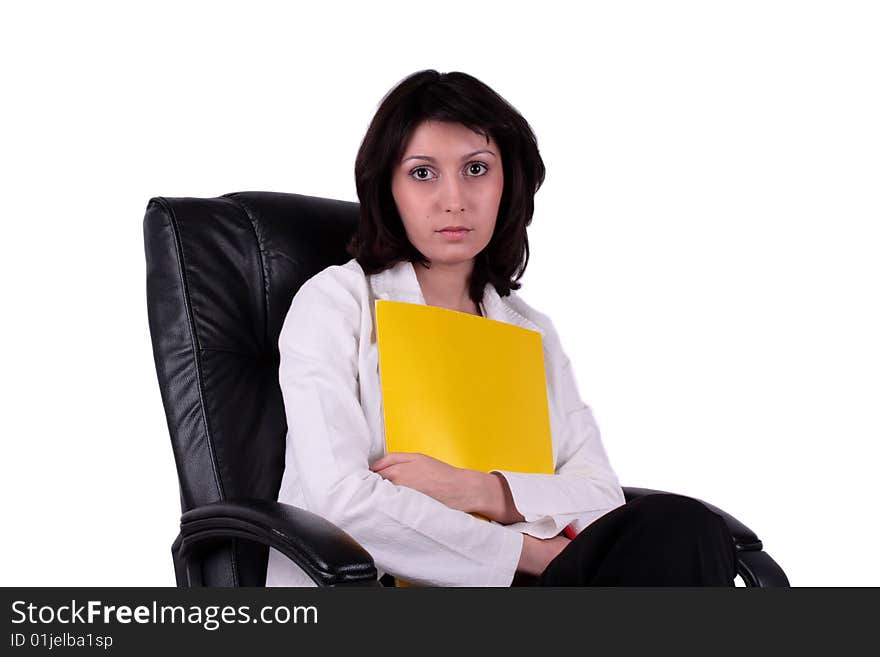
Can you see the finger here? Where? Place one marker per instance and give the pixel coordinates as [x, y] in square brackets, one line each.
[380, 463]
[390, 458]
[391, 473]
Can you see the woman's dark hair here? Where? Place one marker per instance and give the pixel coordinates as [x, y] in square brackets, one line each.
[380, 241]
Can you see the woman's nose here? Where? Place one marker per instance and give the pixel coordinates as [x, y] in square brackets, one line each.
[451, 196]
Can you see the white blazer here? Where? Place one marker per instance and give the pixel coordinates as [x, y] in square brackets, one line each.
[329, 377]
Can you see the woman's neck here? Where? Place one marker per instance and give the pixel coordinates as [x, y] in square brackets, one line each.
[447, 286]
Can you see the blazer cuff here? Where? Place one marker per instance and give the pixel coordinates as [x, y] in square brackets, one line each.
[508, 558]
[529, 495]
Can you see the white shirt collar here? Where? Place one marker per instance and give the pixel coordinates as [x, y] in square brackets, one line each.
[399, 283]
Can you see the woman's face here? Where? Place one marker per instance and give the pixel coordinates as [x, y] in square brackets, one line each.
[449, 176]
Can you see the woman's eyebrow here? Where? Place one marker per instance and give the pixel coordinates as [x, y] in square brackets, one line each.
[431, 159]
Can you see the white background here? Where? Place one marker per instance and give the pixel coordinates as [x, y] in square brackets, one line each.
[705, 243]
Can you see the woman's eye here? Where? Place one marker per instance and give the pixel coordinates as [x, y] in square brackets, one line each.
[474, 169]
[478, 165]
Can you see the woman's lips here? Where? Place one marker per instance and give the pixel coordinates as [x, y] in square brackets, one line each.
[454, 235]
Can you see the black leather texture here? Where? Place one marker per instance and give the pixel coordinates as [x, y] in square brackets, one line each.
[221, 273]
[325, 552]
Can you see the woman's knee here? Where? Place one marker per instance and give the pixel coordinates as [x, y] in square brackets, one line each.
[670, 509]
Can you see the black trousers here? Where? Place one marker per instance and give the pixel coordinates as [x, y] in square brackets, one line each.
[653, 540]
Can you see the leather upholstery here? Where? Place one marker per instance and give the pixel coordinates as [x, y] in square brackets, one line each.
[221, 273]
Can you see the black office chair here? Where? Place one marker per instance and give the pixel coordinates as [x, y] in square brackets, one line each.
[221, 273]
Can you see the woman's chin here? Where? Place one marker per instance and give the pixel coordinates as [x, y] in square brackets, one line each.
[449, 260]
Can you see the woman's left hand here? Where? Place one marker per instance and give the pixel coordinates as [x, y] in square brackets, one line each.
[454, 487]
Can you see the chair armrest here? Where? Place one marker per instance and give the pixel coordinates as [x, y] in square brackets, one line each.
[756, 567]
[325, 553]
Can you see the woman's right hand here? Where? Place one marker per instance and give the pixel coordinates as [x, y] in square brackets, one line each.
[537, 553]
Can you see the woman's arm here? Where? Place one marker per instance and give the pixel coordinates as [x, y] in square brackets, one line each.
[494, 500]
[409, 534]
[471, 491]
[537, 553]
[467, 490]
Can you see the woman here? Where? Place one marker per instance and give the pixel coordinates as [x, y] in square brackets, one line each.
[446, 177]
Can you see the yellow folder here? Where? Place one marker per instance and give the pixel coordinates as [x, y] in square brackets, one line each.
[467, 390]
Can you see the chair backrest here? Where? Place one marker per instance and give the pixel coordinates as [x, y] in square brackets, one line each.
[221, 273]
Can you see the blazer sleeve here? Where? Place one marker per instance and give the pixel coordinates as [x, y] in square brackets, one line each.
[409, 534]
[584, 486]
